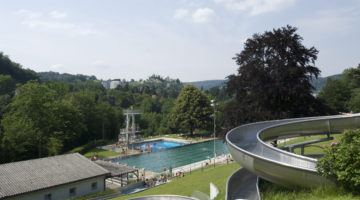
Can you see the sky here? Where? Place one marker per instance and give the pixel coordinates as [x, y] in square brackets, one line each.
[192, 40]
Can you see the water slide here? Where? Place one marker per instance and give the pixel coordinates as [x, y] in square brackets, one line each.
[247, 145]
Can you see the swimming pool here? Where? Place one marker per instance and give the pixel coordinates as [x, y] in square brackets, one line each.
[175, 157]
[156, 145]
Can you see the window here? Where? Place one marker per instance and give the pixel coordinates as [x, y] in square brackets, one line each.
[47, 197]
[72, 192]
[94, 186]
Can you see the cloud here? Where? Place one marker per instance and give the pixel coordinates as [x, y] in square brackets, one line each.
[256, 7]
[332, 21]
[58, 15]
[101, 65]
[37, 20]
[180, 13]
[30, 14]
[203, 15]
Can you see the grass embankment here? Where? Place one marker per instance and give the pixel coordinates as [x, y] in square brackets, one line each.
[197, 180]
[90, 149]
[311, 149]
[100, 153]
[275, 192]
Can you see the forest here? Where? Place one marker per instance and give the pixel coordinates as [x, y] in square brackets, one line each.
[48, 113]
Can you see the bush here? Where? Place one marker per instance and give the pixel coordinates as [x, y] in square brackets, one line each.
[342, 160]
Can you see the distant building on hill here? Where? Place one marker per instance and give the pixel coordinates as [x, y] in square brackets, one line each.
[114, 83]
[52, 178]
[106, 84]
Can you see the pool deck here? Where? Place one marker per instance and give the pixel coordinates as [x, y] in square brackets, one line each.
[223, 159]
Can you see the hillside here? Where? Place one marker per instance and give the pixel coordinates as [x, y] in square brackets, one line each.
[15, 70]
[205, 85]
[69, 78]
[317, 83]
[321, 81]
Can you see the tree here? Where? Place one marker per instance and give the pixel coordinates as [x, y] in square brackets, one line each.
[273, 79]
[191, 110]
[343, 94]
[39, 123]
[335, 93]
[7, 84]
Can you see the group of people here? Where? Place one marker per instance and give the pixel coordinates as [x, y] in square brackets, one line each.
[154, 181]
[180, 174]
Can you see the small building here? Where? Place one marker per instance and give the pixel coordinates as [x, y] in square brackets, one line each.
[120, 171]
[52, 178]
[114, 83]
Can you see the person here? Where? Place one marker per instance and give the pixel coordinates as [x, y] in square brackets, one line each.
[142, 177]
[274, 143]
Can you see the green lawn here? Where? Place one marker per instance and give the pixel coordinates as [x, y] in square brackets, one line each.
[270, 191]
[197, 180]
[101, 153]
[311, 149]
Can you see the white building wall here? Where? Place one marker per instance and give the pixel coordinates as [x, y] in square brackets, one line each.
[114, 84]
[63, 192]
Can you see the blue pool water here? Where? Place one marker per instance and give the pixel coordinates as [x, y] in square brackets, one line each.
[175, 157]
[156, 145]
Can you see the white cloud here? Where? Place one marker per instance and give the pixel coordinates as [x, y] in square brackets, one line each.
[101, 65]
[30, 14]
[58, 68]
[326, 21]
[57, 14]
[203, 15]
[38, 20]
[256, 7]
[180, 13]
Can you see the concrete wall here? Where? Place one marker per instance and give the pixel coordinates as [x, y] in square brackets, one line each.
[63, 192]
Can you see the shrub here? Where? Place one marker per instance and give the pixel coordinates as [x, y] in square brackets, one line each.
[342, 160]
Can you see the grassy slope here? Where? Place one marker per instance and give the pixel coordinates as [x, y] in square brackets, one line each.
[310, 149]
[271, 191]
[101, 153]
[197, 180]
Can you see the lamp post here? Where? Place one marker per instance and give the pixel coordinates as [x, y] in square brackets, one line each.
[213, 104]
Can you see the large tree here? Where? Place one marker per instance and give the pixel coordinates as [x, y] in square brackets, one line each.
[191, 110]
[273, 79]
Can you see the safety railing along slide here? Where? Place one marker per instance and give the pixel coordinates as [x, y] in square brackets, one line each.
[247, 145]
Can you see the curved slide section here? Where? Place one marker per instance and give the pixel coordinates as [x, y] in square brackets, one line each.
[246, 145]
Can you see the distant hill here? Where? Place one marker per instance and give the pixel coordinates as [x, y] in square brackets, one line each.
[205, 85]
[321, 81]
[69, 78]
[317, 83]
